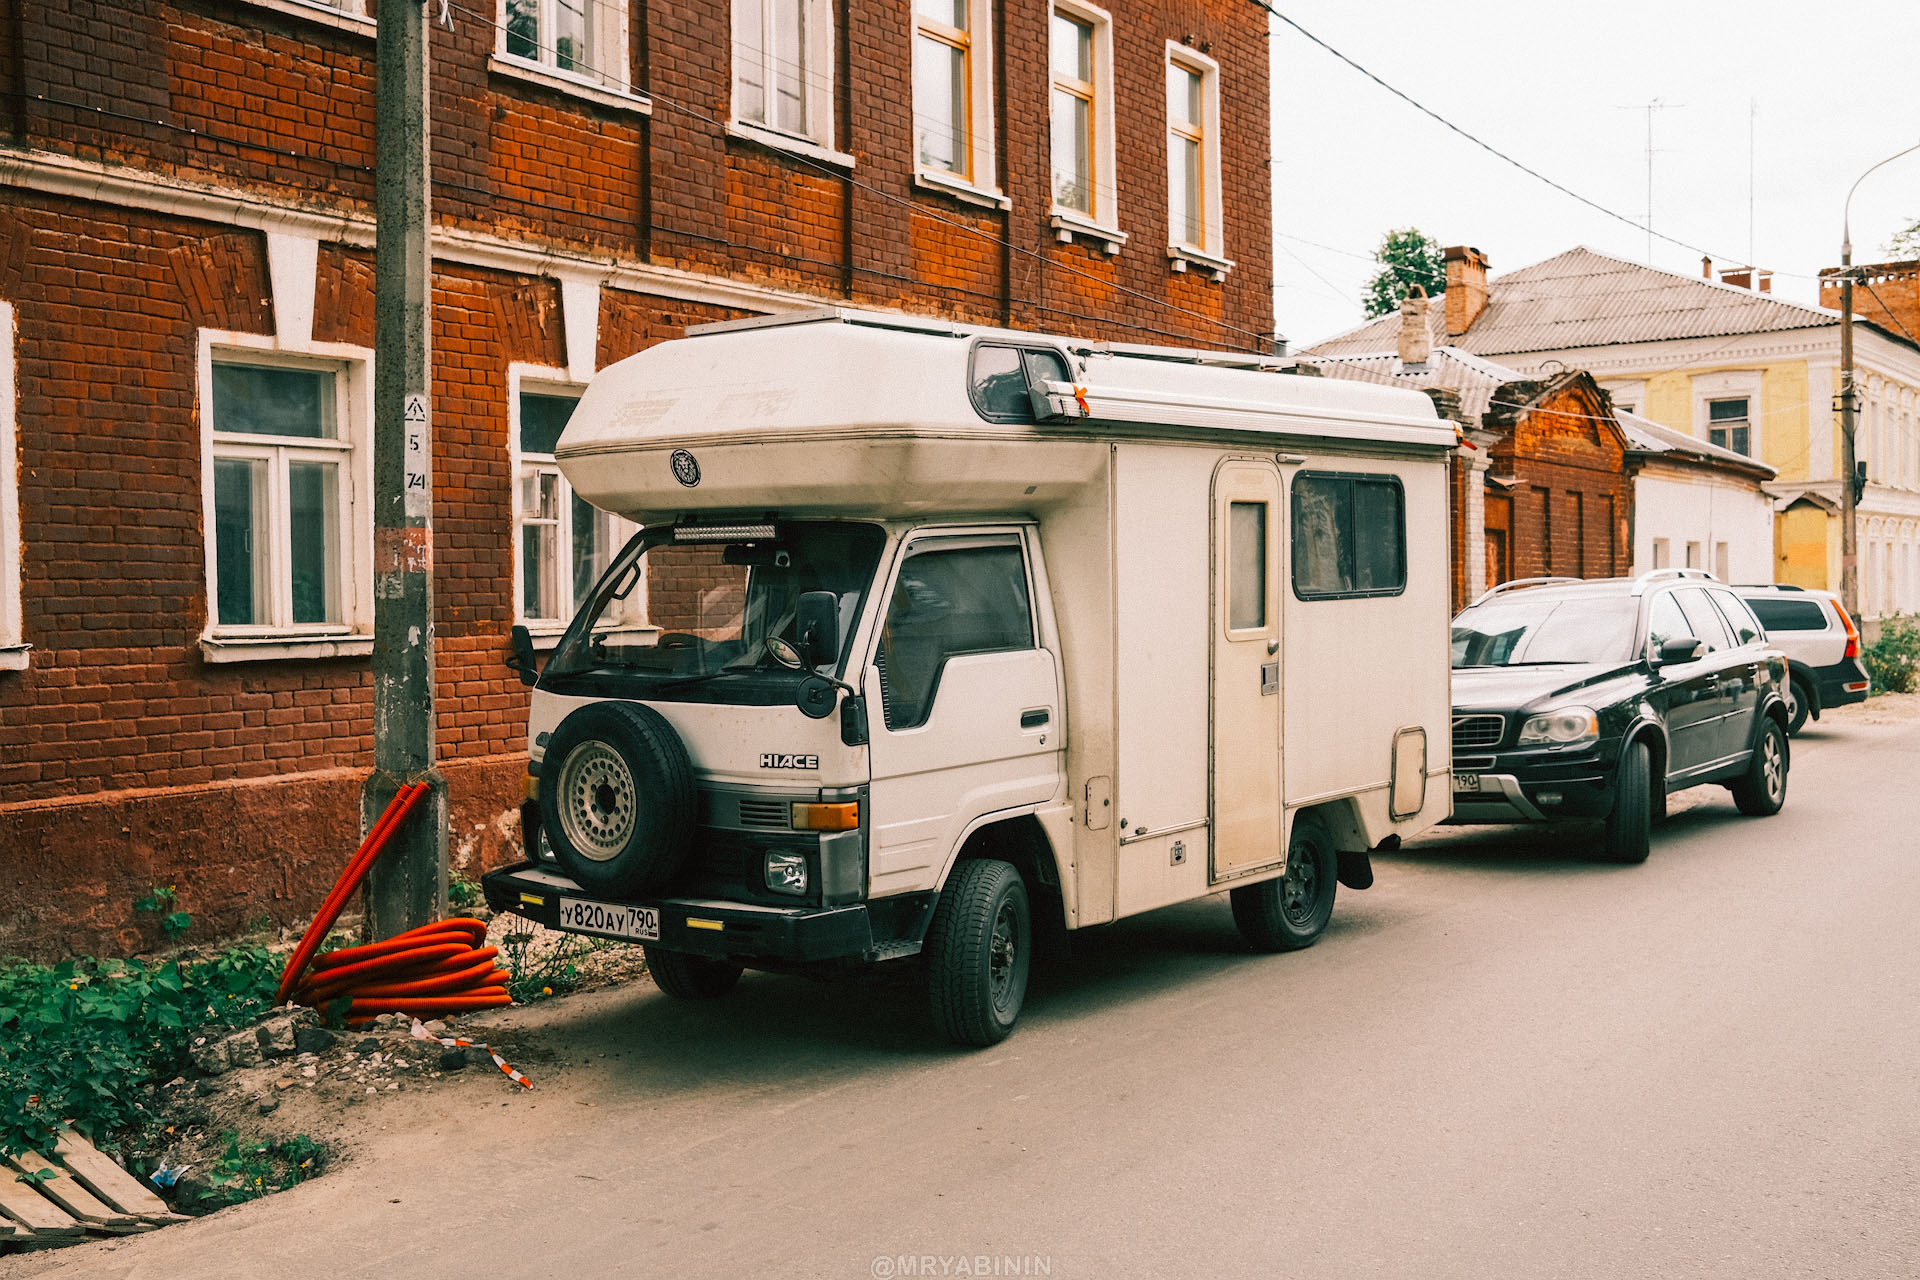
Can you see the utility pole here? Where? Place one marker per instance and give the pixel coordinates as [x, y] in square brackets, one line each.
[408, 886]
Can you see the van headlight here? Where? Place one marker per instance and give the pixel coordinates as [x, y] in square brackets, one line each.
[787, 872]
[1560, 727]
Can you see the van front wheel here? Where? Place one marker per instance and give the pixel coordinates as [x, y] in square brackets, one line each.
[978, 951]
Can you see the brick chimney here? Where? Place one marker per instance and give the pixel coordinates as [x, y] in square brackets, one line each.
[1416, 339]
[1893, 302]
[1466, 288]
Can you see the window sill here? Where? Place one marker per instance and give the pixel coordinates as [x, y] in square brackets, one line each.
[1184, 257]
[276, 648]
[964, 192]
[545, 636]
[774, 140]
[323, 14]
[547, 78]
[13, 657]
[1067, 225]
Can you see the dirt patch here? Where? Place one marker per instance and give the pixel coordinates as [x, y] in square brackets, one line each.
[1882, 708]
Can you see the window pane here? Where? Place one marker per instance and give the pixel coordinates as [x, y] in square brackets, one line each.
[1072, 48]
[523, 28]
[541, 420]
[1246, 565]
[1665, 622]
[948, 603]
[789, 64]
[951, 12]
[1733, 611]
[1183, 179]
[940, 104]
[1322, 549]
[1183, 97]
[1702, 619]
[749, 60]
[313, 515]
[1000, 384]
[1379, 537]
[591, 546]
[540, 545]
[571, 51]
[1072, 147]
[240, 541]
[263, 400]
[1722, 410]
[1790, 615]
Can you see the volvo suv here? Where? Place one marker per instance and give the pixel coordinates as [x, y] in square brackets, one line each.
[1577, 699]
[1821, 643]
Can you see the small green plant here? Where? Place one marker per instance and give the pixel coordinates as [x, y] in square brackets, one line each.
[539, 972]
[246, 1171]
[462, 891]
[161, 902]
[1893, 660]
[36, 1177]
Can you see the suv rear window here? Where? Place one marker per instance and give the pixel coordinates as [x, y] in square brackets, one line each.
[1789, 615]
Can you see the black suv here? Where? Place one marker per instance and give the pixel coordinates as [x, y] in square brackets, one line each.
[1595, 699]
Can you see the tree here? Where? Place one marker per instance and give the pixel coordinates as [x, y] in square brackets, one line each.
[1406, 257]
[1905, 242]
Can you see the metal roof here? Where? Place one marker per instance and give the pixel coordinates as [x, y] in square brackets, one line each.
[1472, 377]
[1644, 435]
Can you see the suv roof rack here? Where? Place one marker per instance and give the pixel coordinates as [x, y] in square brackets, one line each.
[1519, 583]
[1651, 576]
[1768, 586]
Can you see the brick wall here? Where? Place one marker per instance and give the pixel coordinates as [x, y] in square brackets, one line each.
[1569, 509]
[126, 758]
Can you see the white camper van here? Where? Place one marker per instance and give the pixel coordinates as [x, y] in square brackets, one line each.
[936, 638]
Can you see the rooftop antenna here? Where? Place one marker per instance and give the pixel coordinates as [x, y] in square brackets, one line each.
[1651, 106]
[1753, 110]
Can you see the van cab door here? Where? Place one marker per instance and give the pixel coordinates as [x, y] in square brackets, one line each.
[965, 713]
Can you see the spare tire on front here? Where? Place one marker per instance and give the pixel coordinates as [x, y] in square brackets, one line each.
[617, 799]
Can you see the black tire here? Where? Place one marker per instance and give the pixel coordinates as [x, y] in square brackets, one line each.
[1799, 704]
[617, 799]
[979, 949]
[1292, 911]
[1629, 831]
[686, 977]
[1761, 792]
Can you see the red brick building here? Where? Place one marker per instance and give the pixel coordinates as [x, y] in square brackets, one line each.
[186, 323]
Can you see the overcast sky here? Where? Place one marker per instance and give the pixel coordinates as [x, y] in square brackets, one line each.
[1832, 86]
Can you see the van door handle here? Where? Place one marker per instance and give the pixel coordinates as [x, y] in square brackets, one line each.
[1035, 718]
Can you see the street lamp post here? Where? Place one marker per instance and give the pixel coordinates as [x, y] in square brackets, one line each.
[1849, 538]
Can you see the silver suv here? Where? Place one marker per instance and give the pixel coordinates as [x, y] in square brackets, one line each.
[1821, 643]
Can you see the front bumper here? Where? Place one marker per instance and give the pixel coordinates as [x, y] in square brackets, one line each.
[725, 930]
[1537, 786]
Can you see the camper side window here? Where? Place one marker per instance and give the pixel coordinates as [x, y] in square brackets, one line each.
[1349, 536]
[1002, 378]
[953, 597]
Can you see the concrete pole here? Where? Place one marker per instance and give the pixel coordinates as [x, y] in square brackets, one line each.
[408, 886]
[1849, 552]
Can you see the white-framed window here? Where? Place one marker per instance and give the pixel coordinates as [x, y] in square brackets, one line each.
[562, 543]
[13, 649]
[287, 460]
[1729, 425]
[346, 15]
[581, 42]
[1081, 54]
[1727, 410]
[953, 92]
[1193, 153]
[783, 67]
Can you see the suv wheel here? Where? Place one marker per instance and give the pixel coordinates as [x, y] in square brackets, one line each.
[1629, 826]
[1763, 789]
[1799, 704]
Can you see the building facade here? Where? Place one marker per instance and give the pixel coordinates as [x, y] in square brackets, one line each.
[186, 334]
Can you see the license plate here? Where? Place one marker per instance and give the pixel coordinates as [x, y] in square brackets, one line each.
[1466, 782]
[614, 920]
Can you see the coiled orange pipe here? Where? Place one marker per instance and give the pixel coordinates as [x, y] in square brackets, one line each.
[435, 969]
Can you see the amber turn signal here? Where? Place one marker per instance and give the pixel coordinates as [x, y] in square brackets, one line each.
[827, 817]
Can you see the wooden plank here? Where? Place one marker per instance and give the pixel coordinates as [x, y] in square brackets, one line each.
[32, 1210]
[109, 1182]
[61, 1188]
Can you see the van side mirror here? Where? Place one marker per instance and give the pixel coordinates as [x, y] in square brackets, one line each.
[522, 660]
[1680, 649]
[816, 624]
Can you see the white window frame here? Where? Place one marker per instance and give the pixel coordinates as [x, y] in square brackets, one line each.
[13, 648]
[816, 85]
[1102, 224]
[980, 181]
[281, 638]
[607, 75]
[1732, 385]
[545, 380]
[342, 15]
[1210, 255]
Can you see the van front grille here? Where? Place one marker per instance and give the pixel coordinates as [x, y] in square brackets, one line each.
[1478, 731]
[764, 814]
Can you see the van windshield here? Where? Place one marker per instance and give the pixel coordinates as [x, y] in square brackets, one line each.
[1518, 632]
[686, 611]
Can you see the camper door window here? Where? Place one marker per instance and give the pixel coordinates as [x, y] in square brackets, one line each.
[1349, 536]
[685, 612]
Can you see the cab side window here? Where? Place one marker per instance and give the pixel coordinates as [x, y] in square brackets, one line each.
[954, 596]
[1665, 622]
[1740, 619]
[1701, 617]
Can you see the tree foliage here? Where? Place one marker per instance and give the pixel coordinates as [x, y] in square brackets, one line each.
[1905, 242]
[1406, 257]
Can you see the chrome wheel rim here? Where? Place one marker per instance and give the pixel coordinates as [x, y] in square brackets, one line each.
[1773, 767]
[1793, 701]
[597, 801]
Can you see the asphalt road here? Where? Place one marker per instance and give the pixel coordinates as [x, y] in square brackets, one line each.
[1505, 1060]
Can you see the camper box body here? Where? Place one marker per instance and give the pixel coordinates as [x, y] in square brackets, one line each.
[1192, 686]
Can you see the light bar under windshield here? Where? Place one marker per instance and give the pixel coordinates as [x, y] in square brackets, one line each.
[721, 532]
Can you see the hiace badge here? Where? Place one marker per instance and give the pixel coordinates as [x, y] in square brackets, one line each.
[779, 760]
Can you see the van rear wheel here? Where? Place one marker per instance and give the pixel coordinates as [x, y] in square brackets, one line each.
[979, 949]
[1292, 912]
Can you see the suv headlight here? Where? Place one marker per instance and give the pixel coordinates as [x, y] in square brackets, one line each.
[786, 872]
[1561, 726]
